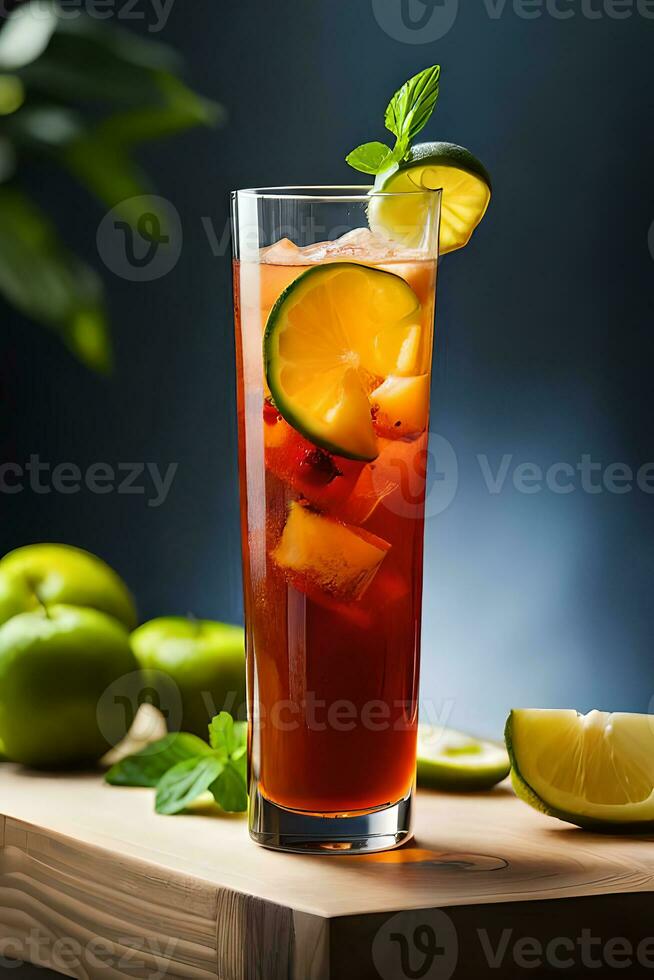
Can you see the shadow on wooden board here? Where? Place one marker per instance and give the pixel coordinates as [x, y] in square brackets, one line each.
[25, 971]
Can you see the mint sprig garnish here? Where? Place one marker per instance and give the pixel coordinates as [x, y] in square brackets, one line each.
[182, 767]
[145, 768]
[406, 115]
[411, 107]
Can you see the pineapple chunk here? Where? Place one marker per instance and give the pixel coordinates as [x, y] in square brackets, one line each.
[316, 551]
[402, 405]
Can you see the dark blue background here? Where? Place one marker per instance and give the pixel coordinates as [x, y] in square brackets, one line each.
[544, 339]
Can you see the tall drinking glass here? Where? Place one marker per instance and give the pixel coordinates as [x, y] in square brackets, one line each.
[334, 294]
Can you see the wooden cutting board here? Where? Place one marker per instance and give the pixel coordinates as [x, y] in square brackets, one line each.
[94, 884]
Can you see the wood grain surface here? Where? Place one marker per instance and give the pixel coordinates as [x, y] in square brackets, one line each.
[93, 884]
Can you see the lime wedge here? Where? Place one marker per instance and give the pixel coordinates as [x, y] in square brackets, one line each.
[466, 194]
[594, 770]
[333, 336]
[451, 760]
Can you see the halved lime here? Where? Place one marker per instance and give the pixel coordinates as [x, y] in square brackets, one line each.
[450, 760]
[466, 194]
[332, 337]
[594, 770]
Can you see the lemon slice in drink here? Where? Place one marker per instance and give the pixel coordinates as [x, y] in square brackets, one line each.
[466, 194]
[594, 770]
[332, 337]
[450, 760]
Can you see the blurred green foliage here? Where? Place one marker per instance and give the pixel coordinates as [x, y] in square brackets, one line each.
[82, 94]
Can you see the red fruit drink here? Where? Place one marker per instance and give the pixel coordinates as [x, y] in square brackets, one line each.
[333, 660]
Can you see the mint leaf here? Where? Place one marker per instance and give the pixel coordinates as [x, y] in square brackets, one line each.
[182, 767]
[186, 781]
[369, 158]
[406, 114]
[226, 735]
[145, 768]
[410, 108]
[230, 788]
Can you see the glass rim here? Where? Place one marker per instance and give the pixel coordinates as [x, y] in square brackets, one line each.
[326, 193]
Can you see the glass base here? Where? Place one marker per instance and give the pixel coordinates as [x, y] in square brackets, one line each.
[363, 832]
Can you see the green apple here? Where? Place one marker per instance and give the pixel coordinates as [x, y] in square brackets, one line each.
[55, 665]
[205, 659]
[41, 575]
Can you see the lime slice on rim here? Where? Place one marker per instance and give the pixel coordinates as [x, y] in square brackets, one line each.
[466, 193]
[450, 760]
[332, 337]
[594, 770]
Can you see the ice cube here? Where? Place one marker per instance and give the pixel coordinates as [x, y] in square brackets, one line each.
[316, 252]
[360, 243]
[283, 252]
